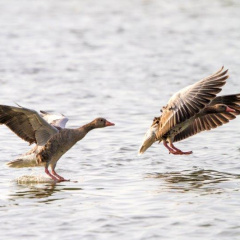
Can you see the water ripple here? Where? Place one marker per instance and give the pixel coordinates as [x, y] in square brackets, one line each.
[206, 181]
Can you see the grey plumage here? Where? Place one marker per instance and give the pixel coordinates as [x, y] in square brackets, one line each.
[27, 124]
[52, 139]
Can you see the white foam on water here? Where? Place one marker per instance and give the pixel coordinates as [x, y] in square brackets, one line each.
[34, 179]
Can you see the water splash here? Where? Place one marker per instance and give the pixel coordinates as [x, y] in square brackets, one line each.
[34, 179]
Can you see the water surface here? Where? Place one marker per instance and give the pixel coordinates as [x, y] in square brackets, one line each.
[121, 60]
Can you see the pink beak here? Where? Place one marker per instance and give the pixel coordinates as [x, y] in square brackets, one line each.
[228, 109]
[109, 124]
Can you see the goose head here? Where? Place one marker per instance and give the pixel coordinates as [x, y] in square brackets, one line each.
[219, 108]
[101, 122]
[223, 108]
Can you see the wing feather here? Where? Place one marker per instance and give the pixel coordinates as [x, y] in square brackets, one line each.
[212, 120]
[56, 120]
[190, 101]
[27, 124]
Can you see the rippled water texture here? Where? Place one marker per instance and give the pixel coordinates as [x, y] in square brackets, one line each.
[121, 60]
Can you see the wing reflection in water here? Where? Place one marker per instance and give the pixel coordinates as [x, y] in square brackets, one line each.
[206, 181]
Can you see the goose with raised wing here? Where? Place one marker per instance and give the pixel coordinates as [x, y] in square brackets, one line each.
[29, 159]
[193, 109]
[49, 134]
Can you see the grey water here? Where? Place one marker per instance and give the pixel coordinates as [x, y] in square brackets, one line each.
[121, 60]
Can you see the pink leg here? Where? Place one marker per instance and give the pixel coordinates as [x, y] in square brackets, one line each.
[58, 176]
[49, 174]
[170, 149]
[178, 150]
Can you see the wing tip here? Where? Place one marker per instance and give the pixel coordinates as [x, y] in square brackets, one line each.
[43, 112]
[18, 104]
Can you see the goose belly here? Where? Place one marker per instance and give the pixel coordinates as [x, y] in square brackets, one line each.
[53, 152]
[178, 128]
[58, 154]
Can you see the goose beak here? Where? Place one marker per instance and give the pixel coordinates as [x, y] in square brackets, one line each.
[109, 124]
[228, 109]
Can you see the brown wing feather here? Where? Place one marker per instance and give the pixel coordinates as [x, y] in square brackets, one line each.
[210, 121]
[191, 100]
[26, 123]
[207, 122]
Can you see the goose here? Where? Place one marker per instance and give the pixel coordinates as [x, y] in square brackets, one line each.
[49, 134]
[193, 109]
[29, 159]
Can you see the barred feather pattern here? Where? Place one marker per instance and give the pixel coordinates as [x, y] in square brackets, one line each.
[188, 102]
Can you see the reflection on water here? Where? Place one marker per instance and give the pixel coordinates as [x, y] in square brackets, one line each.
[187, 180]
[45, 191]
[30, 190]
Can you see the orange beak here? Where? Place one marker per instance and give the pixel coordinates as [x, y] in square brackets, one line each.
[109, 124]
[228, 109]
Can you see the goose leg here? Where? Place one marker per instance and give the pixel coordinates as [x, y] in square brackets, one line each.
[171, 150]
[178, 151]
[49, 174]
[58, 176]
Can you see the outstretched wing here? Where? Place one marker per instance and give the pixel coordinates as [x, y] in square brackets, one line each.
[58, 121]
[190, 101]
[209, 121]
[27, 124]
